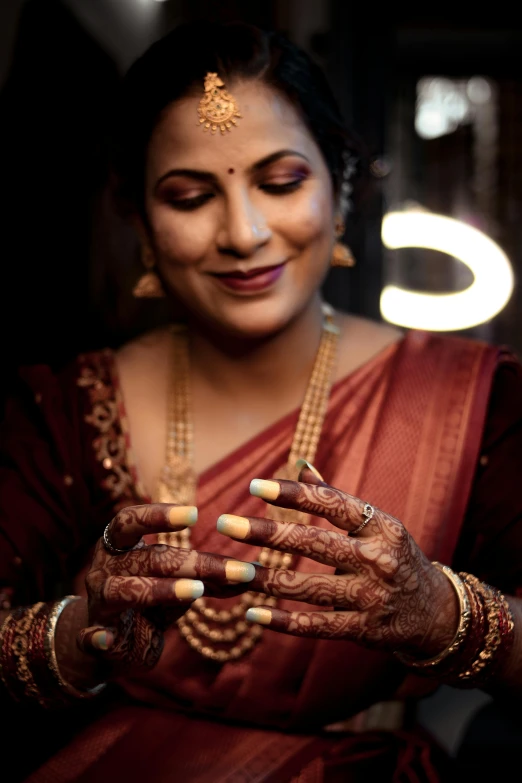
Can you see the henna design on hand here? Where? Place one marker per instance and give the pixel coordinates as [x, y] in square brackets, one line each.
[396, 599]
[138, 594]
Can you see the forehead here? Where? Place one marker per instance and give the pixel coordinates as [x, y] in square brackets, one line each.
[268, 123]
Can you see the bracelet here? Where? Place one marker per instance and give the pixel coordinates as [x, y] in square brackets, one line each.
[480, 645]
[462, 629]
[50, 650]
[3, 647]
[17, 647]
[498, 634]
[28, 664]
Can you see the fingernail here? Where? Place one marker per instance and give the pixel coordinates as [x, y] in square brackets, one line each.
[102, 640]
[188, 589]
[183, 516]
[259, 615]
[239, 572]
[302, 463]
[236, 527]
[268, 490]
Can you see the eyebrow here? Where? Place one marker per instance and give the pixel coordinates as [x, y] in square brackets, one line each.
[207, 176]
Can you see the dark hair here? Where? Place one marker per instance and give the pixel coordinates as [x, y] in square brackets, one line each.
[176, 65]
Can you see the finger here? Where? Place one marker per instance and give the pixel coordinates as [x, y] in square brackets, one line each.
[339, 508]
[160, 560]
[96, 639]
[133, 522]
[309, 474]
[320, 589]
[315, 625]
[138, 592]
[323, 546]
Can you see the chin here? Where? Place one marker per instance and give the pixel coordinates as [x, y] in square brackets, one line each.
[257, 319]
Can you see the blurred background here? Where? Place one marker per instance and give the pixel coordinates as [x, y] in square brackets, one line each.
[438, 103]
[437, 234]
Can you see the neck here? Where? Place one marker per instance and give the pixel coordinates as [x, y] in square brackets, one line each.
[235, 367]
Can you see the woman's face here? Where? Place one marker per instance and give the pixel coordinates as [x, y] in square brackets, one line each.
[241, 225]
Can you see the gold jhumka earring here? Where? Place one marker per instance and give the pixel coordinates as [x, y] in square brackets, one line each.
[341, 254]
[149, 285]
[217, 108]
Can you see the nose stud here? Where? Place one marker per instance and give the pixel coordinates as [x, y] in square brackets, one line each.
[260, 232]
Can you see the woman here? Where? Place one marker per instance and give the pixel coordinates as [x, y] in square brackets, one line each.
[220, 655]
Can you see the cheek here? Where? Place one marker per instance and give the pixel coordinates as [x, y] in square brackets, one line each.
[309, 222]
[180, 238]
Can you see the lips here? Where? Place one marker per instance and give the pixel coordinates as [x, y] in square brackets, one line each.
[253, 280]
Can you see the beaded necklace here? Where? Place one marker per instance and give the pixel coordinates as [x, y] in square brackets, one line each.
[224, 635]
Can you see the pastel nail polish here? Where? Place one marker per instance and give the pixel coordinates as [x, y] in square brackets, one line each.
[233, 526]
[188, 589]
[102, 640]
[236, 571]
[267, 490]
[183, 516]
[301, 463]
[259, 615]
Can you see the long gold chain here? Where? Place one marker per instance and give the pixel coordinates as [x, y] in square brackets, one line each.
[224, 635]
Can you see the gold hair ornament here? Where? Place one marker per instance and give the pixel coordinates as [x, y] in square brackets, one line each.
[217, 108]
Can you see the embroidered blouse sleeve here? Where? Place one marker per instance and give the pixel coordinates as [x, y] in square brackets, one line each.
[56, 492]
[490, 545]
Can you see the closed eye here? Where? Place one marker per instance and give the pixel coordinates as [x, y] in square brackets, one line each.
[188, 204]
[283, 187]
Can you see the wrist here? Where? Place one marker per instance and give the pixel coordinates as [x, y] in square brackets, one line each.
[451, 602]
[76, 667]
[29, 667]
[482, 644]
[454, 635]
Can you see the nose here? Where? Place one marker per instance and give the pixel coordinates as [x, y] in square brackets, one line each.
[244, 229]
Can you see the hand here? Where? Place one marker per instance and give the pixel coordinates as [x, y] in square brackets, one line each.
[135, 596]
[385, 593]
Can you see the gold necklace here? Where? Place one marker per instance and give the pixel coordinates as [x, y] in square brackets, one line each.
[202, 626]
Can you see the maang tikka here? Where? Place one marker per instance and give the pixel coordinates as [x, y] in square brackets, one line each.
[217, 108]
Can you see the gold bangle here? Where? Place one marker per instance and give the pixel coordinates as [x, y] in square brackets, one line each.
[495, 604]
[50, 651]
[462, 629]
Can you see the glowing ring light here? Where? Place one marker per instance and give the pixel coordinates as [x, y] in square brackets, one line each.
[486, 296]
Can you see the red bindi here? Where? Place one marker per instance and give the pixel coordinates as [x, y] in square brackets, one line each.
[231, 171]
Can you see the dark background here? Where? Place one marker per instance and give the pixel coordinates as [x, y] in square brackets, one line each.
[68, 263]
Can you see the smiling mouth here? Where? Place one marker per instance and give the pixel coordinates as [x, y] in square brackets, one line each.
[252, 281]
[239, 275]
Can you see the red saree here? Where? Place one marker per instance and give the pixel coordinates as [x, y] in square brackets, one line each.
[404, 432]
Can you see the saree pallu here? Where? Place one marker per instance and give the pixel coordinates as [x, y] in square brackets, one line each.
[404, 433]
